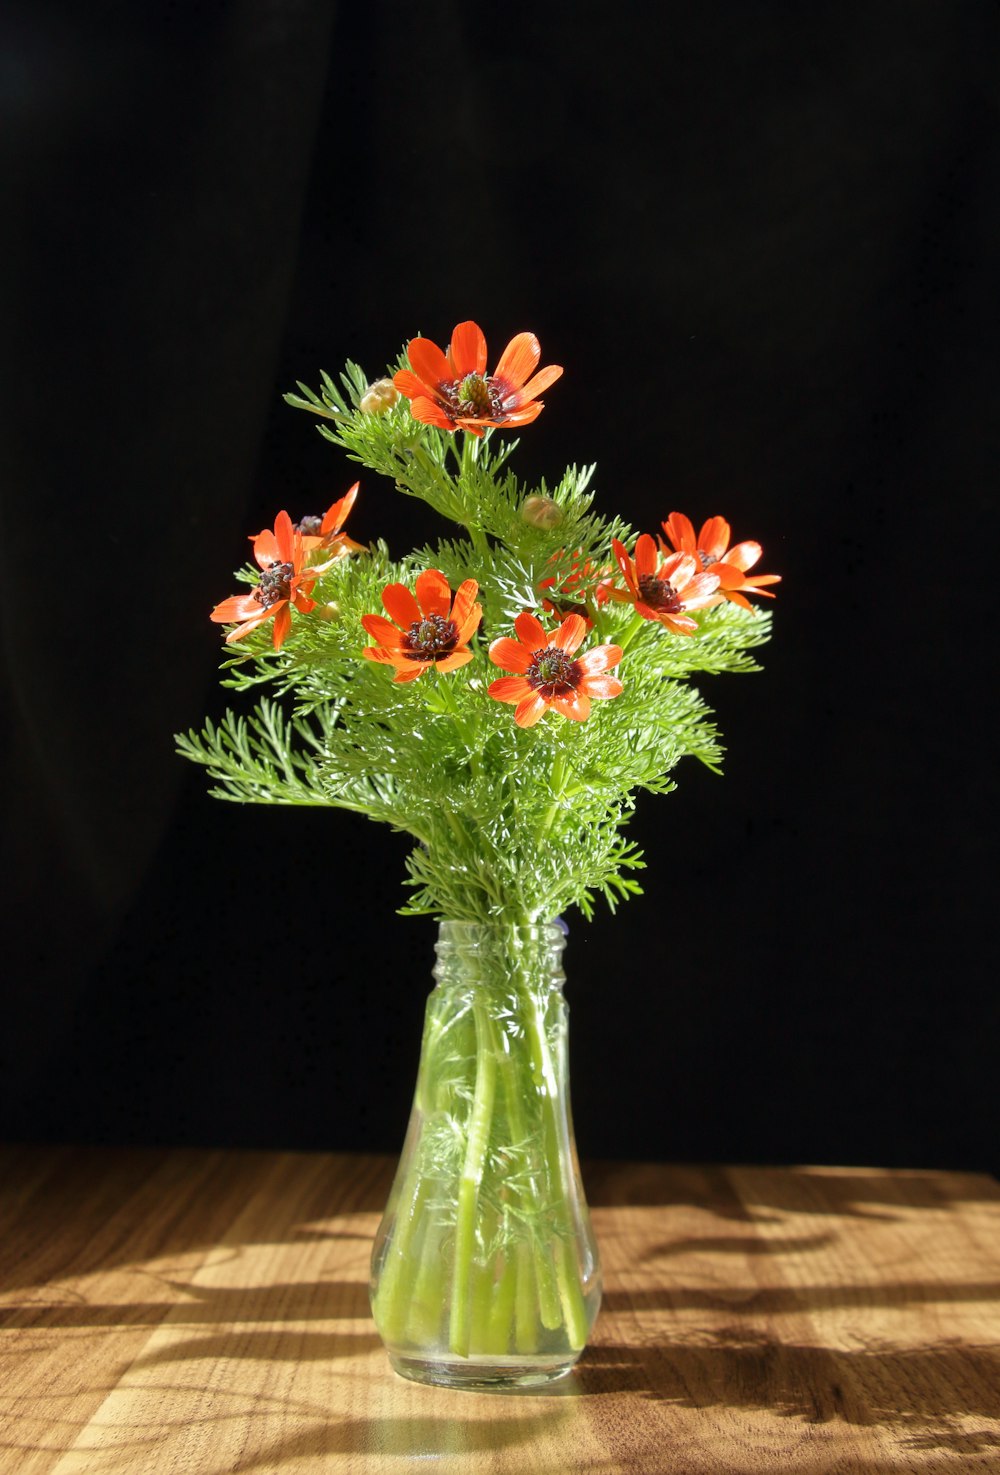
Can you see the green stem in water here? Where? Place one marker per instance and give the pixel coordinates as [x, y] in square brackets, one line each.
[469, 1185]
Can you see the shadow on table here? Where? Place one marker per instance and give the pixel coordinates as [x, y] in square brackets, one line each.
[724, 1193]
[909, 1389]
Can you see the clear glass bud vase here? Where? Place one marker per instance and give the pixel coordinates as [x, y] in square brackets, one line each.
[485, 1270]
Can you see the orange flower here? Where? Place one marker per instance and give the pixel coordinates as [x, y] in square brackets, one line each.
[548, 674]
[325, 532]
[429, 629]
[567, 592]
[711, 549]
[283, 582]
[663, 592]
[453, 391]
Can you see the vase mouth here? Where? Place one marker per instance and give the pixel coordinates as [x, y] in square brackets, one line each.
[464, 933]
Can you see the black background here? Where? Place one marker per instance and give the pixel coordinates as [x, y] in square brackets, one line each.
[762, 242]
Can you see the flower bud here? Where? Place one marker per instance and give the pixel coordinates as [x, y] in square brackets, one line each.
[541, 512]
[329, 611]
[379, 397]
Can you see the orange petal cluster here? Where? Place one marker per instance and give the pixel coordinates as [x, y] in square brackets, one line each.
[663, 591]
[453, 391]
[426, 627]
[566, 594]
[549, 672]
[711, 549]
[326, 532]
[284, 582]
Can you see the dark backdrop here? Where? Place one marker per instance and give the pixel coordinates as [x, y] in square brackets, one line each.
[763, 244]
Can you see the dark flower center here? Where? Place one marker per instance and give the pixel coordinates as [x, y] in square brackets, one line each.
[659, 594]
[430, 638]
[311, 526]
[474, 398]
[553, 673]
[707, 559]
[275, 583]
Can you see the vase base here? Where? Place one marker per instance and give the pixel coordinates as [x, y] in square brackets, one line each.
[484, 1373]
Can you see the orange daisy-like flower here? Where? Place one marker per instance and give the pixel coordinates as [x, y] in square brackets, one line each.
[453, 391]
[663, 591]
[325, 532]
[549, 676]
[429, 629]
[565, 594]
[284, 582]
[711, 549]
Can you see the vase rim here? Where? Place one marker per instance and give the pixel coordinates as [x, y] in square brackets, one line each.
[466, 931]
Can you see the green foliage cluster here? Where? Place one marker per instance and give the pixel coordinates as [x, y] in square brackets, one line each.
[509, 823]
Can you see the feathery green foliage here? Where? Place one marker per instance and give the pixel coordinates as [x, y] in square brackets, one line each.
[509, 822]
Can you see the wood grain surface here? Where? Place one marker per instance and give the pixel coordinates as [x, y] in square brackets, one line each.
[207, 1312]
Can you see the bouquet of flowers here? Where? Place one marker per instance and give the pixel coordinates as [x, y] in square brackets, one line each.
[501, 695]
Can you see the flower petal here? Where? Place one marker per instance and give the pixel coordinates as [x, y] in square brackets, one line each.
[284, 535]
[527, 713]
[601, 658]
[626, 566]
[467, 350]
[575, 707]
[248, 625]
[714, 537]
[729, 576]
[409, 672]
[537, 385]
[429, 413]
[510, 655]
[433, 593]
[602, 686]
[744, 555]
[382, 630]
[236, 607]
[645, 557]
[700, 591]
[407, 383]
[521, 417]
[376, 653]
[678, 570]
[518, 360]
[428, 363]
[456, 659]
[282, 621]
[401, 605]
[470, 624]
[265, 548]
[465, 603]
[570, 634]
[336, 515]
[510, 689]
[680, 532]
[530, 631]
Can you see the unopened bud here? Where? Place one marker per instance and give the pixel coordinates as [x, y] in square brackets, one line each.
[541, 512]
[379, 397]
[329, 611]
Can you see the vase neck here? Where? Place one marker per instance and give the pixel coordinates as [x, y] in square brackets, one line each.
[498, 955]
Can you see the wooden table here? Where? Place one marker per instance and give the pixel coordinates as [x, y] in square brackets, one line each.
[206, 1312]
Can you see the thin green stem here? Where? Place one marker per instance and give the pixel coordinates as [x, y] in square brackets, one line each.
[631, 631]
[472, 1176]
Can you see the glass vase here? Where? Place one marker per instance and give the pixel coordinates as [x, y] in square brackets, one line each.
[485, 1270]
